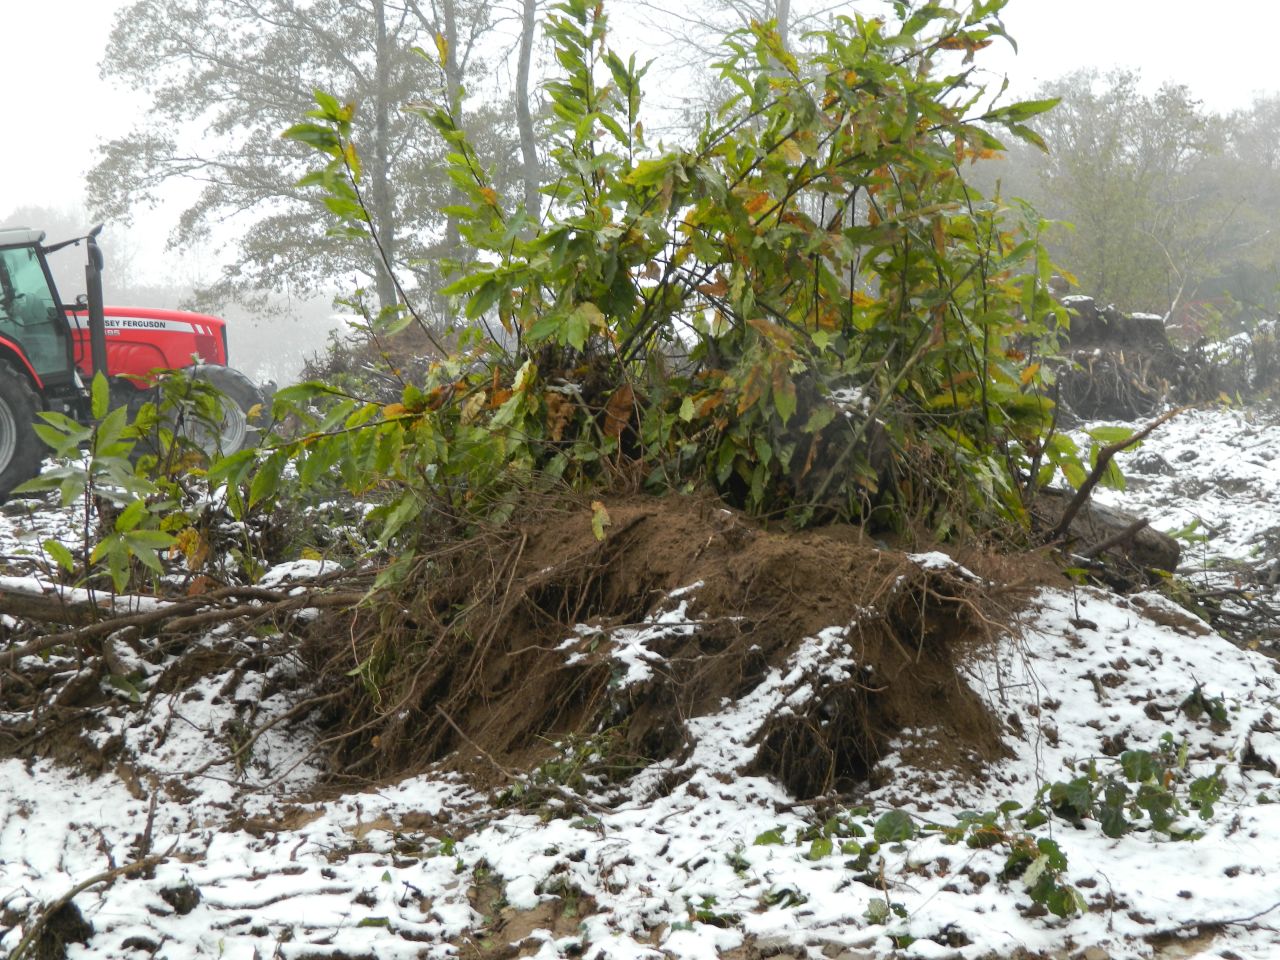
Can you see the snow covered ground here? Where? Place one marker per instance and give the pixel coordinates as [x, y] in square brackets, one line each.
[1163, 730]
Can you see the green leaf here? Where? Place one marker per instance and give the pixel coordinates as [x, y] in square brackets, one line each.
[313, 135]
[1113, 821]
[1112, 476]
[131, 516]
[100, 395]
[1075, 473]
[266, 481]
[1139, 766]
[895, 826]
[1065, 901]
[1076, 796]
[769, 838]
[148, 540]
[125, 686]
[784, 397]
[405, 509]
[820, 848]
[231, 469]
[60, 555]
[1109, 435]
[1024, 110]
[578, 325]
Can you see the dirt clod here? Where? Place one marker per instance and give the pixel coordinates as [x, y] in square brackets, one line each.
[66, 925]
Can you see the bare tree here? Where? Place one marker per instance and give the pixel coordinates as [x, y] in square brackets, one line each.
[226, 77]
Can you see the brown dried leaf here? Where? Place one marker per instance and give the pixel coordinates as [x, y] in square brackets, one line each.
[618, 411]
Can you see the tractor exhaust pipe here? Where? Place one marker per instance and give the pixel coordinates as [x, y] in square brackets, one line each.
[93, 287]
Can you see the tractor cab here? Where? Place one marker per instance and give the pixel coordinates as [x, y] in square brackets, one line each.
[34, 331]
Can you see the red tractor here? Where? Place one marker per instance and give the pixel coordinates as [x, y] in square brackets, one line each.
[48, 350]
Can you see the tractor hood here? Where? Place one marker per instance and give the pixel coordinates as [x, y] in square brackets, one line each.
[141, 340]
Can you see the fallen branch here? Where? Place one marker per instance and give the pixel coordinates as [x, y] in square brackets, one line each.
[185, 615]
[1105, 456]
[50, 608]
[1127, 533]
[1230, 922]
[296, 710]
[562, 791]
[208, 618]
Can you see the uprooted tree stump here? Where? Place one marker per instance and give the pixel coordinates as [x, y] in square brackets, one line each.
[1124, 366]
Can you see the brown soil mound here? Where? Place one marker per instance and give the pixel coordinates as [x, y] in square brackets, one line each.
[499, 652]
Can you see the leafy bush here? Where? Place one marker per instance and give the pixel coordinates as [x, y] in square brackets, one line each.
[807, 309]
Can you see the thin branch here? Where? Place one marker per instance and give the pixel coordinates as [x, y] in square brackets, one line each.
[37, 928]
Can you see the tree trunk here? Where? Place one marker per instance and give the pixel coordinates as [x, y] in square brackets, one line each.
[784, 22]
[524, 118]
[453, 92]
[381, 196]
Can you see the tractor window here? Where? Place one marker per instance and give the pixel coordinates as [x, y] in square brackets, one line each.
[29, 314]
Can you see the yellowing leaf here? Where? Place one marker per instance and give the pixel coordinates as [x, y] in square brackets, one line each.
[599, 519]
[393, 410]
[353, 160]
[560, 411]
[1029, 373]
[473, 407]
[752, 390]
[791, 152]
[779, 335]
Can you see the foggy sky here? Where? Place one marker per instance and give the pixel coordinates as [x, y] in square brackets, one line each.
[57, 108]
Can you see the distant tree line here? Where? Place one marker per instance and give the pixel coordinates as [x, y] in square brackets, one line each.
[1172, 208]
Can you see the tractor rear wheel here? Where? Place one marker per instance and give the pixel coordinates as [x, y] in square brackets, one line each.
[21, 451]
[238, 428]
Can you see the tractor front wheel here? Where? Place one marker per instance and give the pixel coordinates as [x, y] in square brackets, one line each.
[21, 451]
[239, 419]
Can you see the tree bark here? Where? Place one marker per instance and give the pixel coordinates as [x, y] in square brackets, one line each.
[382, 198]
[453, 93]
[784, 23]
[524, 118]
